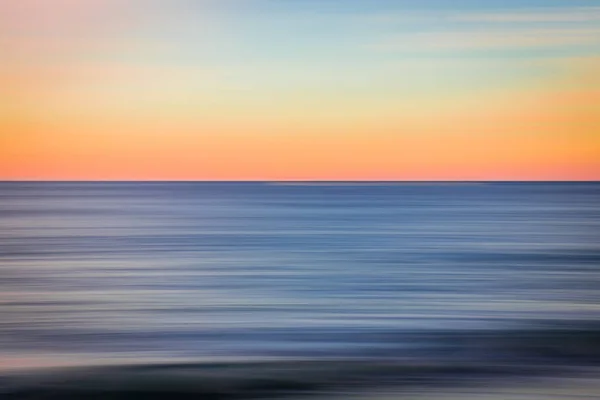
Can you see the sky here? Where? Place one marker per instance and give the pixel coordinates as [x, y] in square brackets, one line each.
[299, 90]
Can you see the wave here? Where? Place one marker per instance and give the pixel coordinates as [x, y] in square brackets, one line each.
[231, 380]
[444, 358]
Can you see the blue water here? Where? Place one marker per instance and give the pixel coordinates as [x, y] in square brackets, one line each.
[167, 271]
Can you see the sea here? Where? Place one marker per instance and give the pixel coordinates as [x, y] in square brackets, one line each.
[278, 288]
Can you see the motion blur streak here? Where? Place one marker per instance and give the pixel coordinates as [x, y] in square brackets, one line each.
[233, 290]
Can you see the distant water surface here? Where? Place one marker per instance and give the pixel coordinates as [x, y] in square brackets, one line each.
[115, 272]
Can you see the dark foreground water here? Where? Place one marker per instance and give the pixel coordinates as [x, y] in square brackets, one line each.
[327, 283]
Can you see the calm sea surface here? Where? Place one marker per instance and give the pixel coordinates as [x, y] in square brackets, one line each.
[109, 272]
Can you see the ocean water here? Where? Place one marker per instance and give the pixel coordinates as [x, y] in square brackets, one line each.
[146, 273]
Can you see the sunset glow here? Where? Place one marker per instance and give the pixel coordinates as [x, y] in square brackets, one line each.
[315, 90]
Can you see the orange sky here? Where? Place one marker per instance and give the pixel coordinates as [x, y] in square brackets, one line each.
[81, 116]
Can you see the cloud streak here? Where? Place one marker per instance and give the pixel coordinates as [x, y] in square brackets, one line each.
[575, 15]
[493, 39]
[449, 30]
[537, 15]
